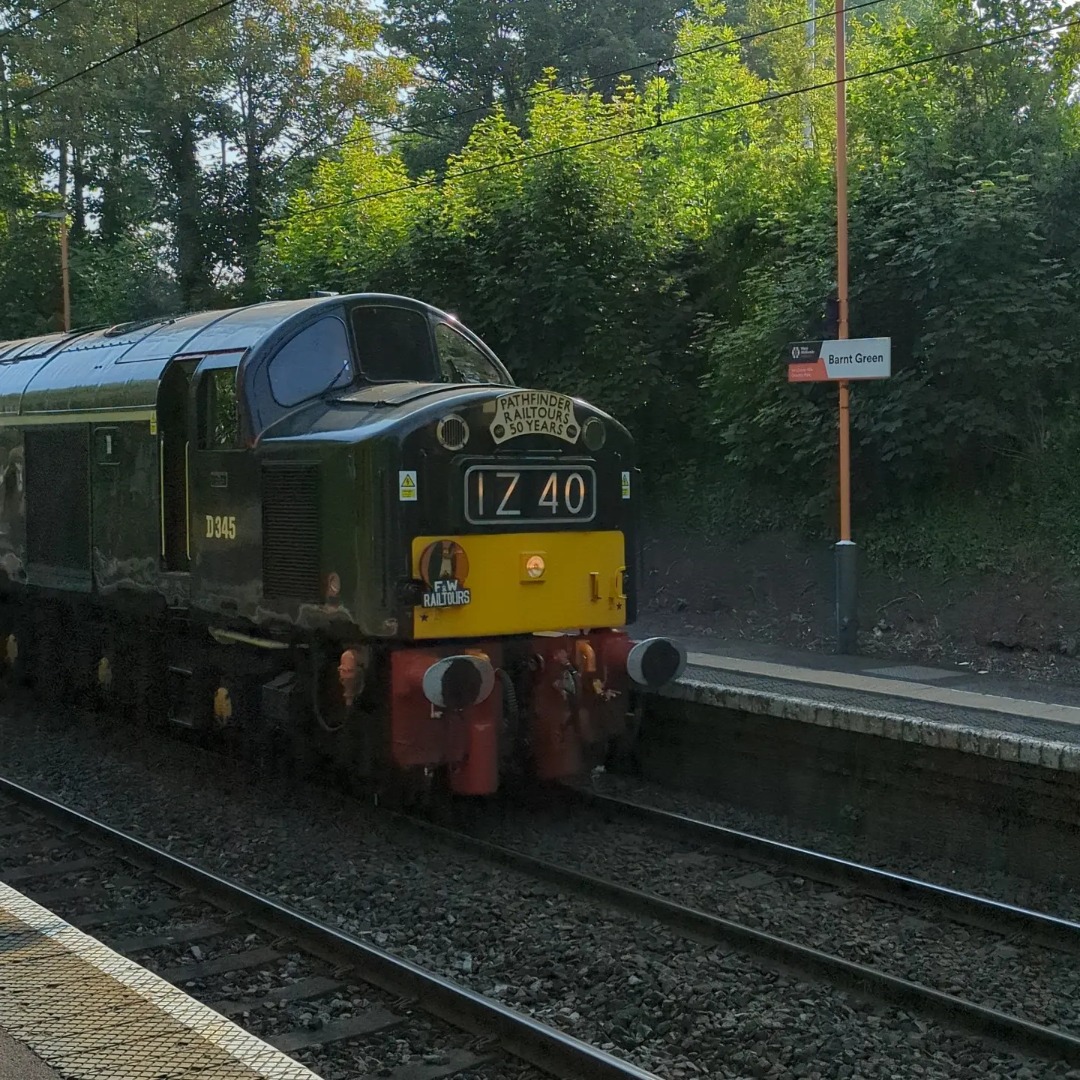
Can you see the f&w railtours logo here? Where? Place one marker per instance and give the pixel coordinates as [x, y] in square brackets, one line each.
[444, 569]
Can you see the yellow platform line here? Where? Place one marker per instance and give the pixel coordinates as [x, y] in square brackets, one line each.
[87, 1011]
[901, 688]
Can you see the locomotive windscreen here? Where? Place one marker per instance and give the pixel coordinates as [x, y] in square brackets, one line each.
[394, 345]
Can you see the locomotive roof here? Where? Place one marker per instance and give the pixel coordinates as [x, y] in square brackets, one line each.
[118, 367]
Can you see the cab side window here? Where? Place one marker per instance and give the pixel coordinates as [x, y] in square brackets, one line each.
[461, 361]
[314, 361]
[219, 422]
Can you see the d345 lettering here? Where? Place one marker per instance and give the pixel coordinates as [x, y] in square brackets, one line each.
[220, 528]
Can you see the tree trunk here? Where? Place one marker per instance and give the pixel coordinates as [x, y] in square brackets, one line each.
[5, 105]
[252, 228]
[112, 210]
[192, 272]
[78, 195]
[63, 171]
[254, 180]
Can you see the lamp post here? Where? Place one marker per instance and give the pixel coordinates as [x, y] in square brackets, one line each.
[61, 216]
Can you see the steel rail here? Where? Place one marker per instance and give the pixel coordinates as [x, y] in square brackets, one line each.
[542, 1046]
[981, 1020]
[981, 911]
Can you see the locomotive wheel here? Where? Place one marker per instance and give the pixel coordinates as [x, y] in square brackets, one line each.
[136, 670]
[85, 654]
[16, 650]
[10, 643]
[424, 792]
[622, 753]
[349, 736]
[237, 716]
[52, 658]
[106, 672]
[9, 653]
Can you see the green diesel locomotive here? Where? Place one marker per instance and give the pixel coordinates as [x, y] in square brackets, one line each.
[335, 519]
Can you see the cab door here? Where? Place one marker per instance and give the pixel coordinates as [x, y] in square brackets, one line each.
[174, 450]
[226, 518]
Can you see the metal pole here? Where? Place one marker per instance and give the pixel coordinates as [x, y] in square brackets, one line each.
[64, 272]
[847, 626]
[811, 44]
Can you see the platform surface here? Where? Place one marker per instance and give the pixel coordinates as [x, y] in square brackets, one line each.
[19, 1063]
[85, 1011]
[952, 708]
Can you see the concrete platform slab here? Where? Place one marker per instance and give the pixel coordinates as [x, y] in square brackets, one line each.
[17, 1062]
[945, 708]
[82, 1010]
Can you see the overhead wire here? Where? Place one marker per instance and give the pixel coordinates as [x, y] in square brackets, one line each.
[7, 31]
[656, 62]
[646, 129]
[138, 43]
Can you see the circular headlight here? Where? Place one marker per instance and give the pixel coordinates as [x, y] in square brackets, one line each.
[452, 432]
[594, 433]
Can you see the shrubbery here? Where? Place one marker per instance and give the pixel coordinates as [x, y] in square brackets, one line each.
[660, 273]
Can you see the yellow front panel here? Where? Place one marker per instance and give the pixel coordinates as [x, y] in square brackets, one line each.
[518, 583]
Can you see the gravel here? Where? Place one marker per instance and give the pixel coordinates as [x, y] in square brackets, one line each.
[1037, 983]
[666, 1003]
[410, 1047]
[1060, 899]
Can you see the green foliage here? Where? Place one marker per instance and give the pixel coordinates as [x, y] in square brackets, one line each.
[956, 268]
[195, 137]
[657, 270]
[474, 54]
[29, 285]
[120, 282]
[660, 274]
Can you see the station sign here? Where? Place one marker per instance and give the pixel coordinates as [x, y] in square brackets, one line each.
[830, 361]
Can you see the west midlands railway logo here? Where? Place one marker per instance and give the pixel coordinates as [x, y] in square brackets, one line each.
[444, 567]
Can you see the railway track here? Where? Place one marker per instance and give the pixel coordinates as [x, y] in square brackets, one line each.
[693, 980]
[311, 990]
[952, 904]
[1034, 929]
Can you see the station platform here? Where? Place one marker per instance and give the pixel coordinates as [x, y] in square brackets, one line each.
[71, 1007]
[945, 708]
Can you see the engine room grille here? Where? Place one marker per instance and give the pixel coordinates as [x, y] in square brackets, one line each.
[292, 533]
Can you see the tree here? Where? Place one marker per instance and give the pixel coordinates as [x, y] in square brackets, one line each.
[474, 54]
[138, 143]
[298, 76]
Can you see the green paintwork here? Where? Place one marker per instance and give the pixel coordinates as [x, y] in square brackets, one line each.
[358, 439]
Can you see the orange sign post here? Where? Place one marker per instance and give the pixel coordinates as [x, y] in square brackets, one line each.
[847, 612]
[842, 361]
